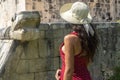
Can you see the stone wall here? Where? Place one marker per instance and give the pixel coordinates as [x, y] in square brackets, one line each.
[39, 59]
[8, 9]
[107, 56]
[101, 10]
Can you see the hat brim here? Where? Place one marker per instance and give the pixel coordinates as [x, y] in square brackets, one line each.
[66, 14]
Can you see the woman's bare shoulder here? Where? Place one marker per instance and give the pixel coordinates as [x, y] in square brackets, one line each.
[71, 37]
[71, 40]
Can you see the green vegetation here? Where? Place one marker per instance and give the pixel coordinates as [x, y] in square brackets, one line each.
[116, 75]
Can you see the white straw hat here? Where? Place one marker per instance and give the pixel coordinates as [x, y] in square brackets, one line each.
[76, 13]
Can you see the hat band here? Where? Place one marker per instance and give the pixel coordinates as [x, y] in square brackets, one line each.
[79, 18]
[89, 29]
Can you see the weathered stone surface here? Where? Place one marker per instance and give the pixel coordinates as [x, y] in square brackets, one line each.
[52, 63]
[38, 59]
[26, 19]
[57, 43]
[29, 66]
[23, 66]
[25, 34]
[41, 34]
[6, 48]
[20, 77]
[26, 77]
[101, 10]
[44, 26]
[9, 8]
[58, 29]
[30, 50]
[105, 58]
[37, 65]
[49, 75]
[25, 26]
[41, 57]
[43, 45]
[4, 33]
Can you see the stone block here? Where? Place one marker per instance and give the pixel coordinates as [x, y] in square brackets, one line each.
[57, 43]
[118, 44]
[24, 26]
[12, 63]
[23, 66]
[26, 19]
[53, 63]
[26, 34]
[67, 29]
[43, 64]
[107, 1]
[30, 50]
[49, 75]
[41, 34]
[117, 58]
[58, 33]
[43, 48]
[26, 77]
[43, 26]
[14, 76]
[60, 29]
[29, 66]
[37, 65]
[58, 25]
[49, 33]
[97, 4]
[29, 76]
[6, 48]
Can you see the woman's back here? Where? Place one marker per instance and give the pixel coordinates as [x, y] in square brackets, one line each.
[80, 64]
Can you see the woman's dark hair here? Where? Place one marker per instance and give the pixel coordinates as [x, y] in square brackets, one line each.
[88, 43]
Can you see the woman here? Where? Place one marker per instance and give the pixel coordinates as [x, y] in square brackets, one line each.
[79, 46]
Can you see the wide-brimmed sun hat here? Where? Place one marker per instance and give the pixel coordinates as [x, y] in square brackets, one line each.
[76, 13]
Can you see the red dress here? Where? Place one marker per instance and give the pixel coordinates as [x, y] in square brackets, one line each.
[80, 66]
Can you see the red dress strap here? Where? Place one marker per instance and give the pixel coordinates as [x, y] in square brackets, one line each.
[75, 33]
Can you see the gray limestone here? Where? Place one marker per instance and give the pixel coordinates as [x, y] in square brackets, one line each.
[39, 59]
